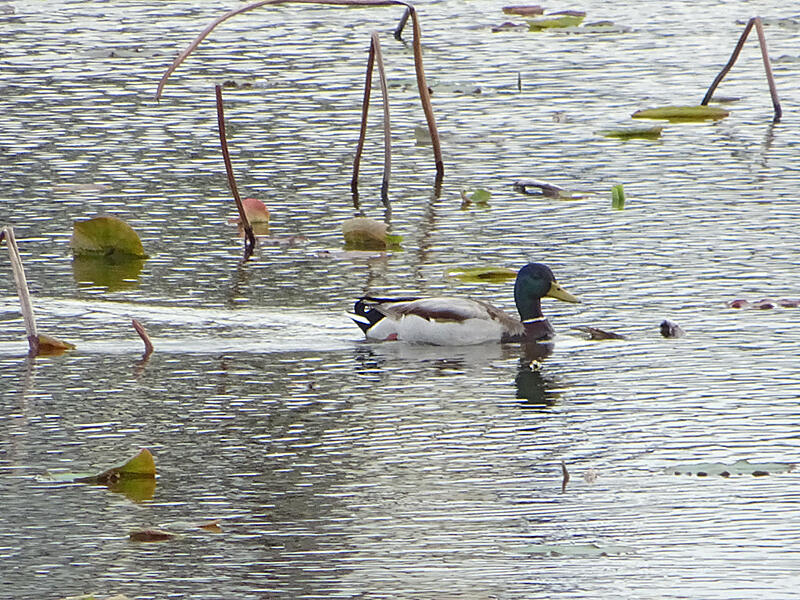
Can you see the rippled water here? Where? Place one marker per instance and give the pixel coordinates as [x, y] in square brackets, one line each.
[339, 468]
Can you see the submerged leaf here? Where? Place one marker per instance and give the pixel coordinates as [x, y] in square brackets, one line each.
[682, 113]
[483, 274]
[106, 236]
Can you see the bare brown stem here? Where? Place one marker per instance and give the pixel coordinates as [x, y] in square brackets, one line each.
[417, 47]
[398, 31]
[362, 134]
[250, 238]
[148, 345]
[22, 290]
[730, 63]
[773, 91]
[776, 105]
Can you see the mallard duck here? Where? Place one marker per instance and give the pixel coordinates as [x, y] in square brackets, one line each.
[453, 321]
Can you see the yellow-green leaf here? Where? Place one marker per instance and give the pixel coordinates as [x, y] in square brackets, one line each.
[483, 274]
[106, 236]
[628, 133]
[682, 113]
[555, 22]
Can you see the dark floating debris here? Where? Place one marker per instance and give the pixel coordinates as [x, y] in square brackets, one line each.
[671, 330]
[740, 467]
[764, 303]
[598, 334]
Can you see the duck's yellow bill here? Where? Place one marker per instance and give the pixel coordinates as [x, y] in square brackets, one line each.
[556, 291]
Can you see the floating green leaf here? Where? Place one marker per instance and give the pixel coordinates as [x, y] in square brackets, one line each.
[629, 133]
[682, 113]
[106, 236]
[141, 466]
[483, 274]
[617, 197]
[555, 22]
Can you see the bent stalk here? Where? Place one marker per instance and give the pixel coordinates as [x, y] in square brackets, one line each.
[776, 105]
[249, 236]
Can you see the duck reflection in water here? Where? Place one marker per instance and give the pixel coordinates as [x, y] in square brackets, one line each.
[532, 386]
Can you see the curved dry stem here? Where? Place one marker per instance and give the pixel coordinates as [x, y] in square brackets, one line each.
[362, 134]
[762, 41]
[148, 345]
[250, 238]
[417, 47]
[387, 130]
[730, 63]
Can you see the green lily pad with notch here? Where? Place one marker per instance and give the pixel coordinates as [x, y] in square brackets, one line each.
[106, 236]
[676, 114]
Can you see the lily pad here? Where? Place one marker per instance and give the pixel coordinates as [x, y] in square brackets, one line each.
[141, 466]
[630, 133]
[556, 21]
[682, 113]
[483, 274]
[106, 236]
[50, 346]
[363, 233]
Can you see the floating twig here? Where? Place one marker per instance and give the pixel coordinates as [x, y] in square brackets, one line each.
[249, 236]
[148, 345]
[424, 94]
[374, 56]
[564, 477]
[776, 105]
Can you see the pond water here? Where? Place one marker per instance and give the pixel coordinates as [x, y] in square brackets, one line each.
[339, 468]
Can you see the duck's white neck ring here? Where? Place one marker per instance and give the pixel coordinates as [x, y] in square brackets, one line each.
[536, 320]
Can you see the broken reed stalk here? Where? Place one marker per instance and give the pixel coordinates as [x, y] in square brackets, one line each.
[776, 105]
[249, 237]
[398, 31]
[374, 55]
[424, 94]
[22, 290]
[148, 345]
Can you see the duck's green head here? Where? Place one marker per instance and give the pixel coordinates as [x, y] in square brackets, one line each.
[534, 282]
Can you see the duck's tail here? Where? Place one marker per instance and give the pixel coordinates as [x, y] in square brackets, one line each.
[366, 313]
